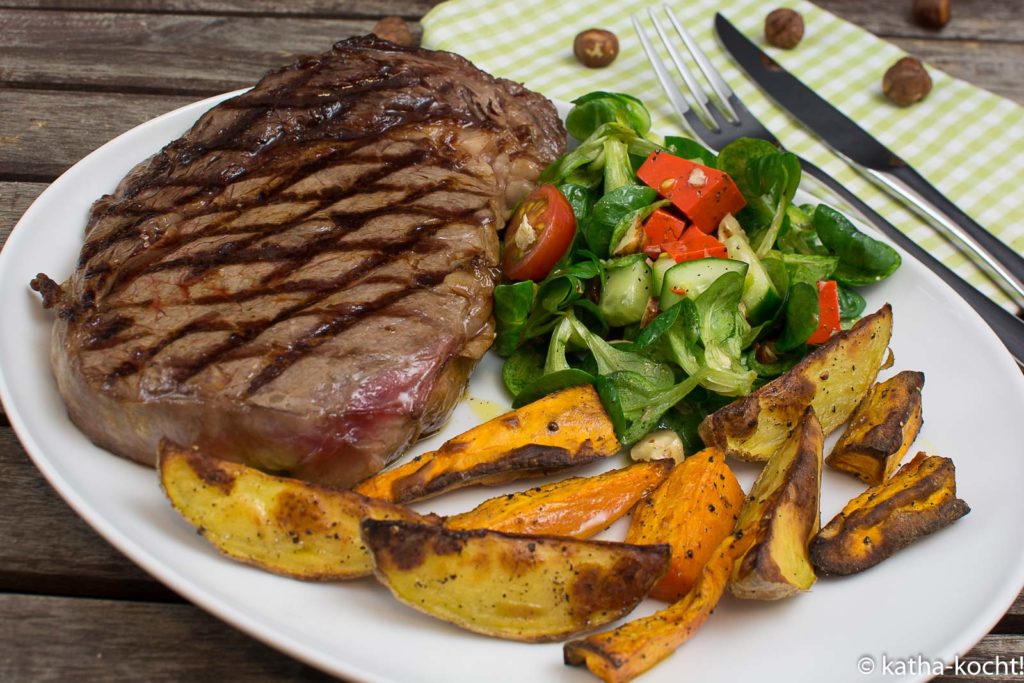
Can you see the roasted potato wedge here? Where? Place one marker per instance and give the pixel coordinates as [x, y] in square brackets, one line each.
[564, 429]
[881, 429]
[693, 510]
[623, 654]
[284, 526]
[833, 379]
[782, 515]
[529, 588]
[578, 507]
[916, 501]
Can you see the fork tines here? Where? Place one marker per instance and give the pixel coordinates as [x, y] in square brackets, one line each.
[711, 114]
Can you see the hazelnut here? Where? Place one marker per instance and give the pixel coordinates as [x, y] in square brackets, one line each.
[931, 13]
[596, 47]
[784, 28]
[906, 82]
[395, 30]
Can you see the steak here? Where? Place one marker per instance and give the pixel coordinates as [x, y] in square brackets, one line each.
[303, 281]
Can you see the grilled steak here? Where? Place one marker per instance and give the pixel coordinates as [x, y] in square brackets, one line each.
[303, 281]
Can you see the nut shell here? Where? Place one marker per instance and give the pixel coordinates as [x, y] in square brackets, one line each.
[394, 29]
[931, 13]
[906, 82]
[784, 28]
[596, 48]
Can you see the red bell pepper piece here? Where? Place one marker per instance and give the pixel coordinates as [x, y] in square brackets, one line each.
[704, 195]
[693, 245]
[828, 312]
[663, 227]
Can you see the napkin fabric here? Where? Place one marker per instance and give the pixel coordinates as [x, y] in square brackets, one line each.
[967, 141]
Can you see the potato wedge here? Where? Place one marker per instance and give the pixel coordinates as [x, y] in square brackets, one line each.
[623, 654]
[833, 379]
[782, 514]
[529, 588]
[693, 510]
[284, 526]
[564, 429]
[881, 429]
[916, 501]
[578, 507]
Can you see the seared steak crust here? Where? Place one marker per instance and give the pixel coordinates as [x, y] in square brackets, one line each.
[303, 280]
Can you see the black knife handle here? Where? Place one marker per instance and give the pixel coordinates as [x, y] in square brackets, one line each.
[1009, 328]
[1009, 259]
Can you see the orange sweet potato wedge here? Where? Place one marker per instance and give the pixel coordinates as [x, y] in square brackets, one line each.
[693, 510]
[565, 429]
[578, 507]
[624, 653]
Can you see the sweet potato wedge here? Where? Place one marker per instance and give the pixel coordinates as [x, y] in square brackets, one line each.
[284, 526]
[881, 429]
[578, 507]
[833, 379]
[782, 515]
[916, 501]
[529, 588]
[564, 429]
[693, 510]
[623, 654]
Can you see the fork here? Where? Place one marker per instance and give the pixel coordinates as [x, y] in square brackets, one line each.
[719, 123]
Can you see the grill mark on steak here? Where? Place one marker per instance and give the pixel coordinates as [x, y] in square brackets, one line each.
[188, 154]
[253, 330]
[304, 279]
[336, 326]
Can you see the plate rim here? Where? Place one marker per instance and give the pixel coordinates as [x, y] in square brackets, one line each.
[209, 601]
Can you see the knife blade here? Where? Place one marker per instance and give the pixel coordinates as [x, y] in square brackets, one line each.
[873, 158]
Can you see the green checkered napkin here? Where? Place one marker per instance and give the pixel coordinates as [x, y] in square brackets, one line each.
[968, 142]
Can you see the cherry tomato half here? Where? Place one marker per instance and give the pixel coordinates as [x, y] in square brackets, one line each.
[538, 234]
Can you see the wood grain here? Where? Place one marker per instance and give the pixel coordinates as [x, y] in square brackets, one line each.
[972, 19]
[76, 73]
[65, 639]
[67, 126]
[168, 53]
[15, 198]
[412, 9]
[46, 543]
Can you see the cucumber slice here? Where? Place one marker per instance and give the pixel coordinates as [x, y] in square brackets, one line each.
[658, 271]
[627, 289]
[760, 297]
[690, 278]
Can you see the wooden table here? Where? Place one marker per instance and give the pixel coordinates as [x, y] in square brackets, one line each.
[75, 73]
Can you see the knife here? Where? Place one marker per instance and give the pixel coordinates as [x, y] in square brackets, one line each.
[872, 158]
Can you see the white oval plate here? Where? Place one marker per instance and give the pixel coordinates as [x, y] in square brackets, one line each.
[934, 600]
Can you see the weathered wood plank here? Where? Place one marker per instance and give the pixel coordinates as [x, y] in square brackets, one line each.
[972, 19]
[1009, 649]
[105, 640]
[15, 198]
[412, 9]
[47, 548]
[42, 133]
[199, 54]
[63, 639]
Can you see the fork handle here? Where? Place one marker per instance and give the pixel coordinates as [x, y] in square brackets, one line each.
[915, 191]
[1008, 327]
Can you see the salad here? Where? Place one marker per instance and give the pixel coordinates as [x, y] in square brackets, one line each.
[671, 279]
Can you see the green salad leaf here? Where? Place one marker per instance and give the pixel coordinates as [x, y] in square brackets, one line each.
[863, 260]
[597, 108]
